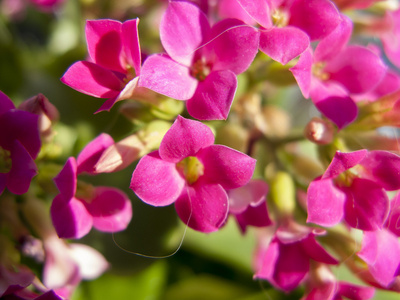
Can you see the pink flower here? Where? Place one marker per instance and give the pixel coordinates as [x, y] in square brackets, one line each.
[285, 32]
[67, 264]
[335, 72]
[73, 214]
[114, 66]
[248, 204]
[322, 284]
[353, 187]
[391, 36]
[285, 260]
[192, 172]
[46, 5]
[380, 249]
[19, 146]
[202, 62]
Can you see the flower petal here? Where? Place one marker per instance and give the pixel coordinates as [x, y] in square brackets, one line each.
[165, 76]
[111, 209]
[213, 97]
[104, 43]
[316, 252]
[356, 292]
[228, 167]
[258, 10]
[283, 44]
[367, 205]
[291, 266]
[131, 46]
[383, 264]
[333, 101]
[393, 220]
[356, 62]
[22, 126]
[233, 9]
[382, 167]
[66, 180]
[332, 44]
[155, 181]
[92, 79]
[251, 194]
[204, 207]
[254, 216]
[22, 171]
[92, 152]
[5, 103]
[302, 72]
[321, 17]
[343, 161]
[185, 138]
[91, 262]
[232, 46]
[182, 30]
[325, 203]
[70, 218]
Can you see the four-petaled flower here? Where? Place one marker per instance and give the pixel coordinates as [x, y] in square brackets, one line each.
[191, 171]
[353, 187]
[202, 62]
[113, 68]
[77, 208]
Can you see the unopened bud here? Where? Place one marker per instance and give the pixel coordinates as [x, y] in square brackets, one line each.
[277, 121]
[233, 136]
[48, 113]
[121, 154]
[319, 131]
[283, 193]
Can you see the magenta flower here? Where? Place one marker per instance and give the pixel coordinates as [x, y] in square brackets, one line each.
[202, 62]
[285, 32]
[76, 209]
[322, 284]
[391, 36]
[114, 66]
[335, 72]
[248, 205]
[285, 261]
[380, 249]
[353, 187]
[192, 172]
[393, 220]
[46, 5]
[14, 279]
[19, 146]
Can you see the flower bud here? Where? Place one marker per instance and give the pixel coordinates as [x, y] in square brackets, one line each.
[48, 113]
[319, 131]
[234, 136]
[283, 193]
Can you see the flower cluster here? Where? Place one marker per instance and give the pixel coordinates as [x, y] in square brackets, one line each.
[213, 109]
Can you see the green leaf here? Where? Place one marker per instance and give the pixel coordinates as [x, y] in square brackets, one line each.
[146, 285]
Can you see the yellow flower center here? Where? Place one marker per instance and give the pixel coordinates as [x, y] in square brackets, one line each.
[200, 70]
[318, 71]
[5, 160]
[280, 18]
[190, 168]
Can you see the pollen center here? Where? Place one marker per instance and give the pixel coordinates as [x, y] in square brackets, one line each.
[5, 160]
[200, 70]
[190, 168]
[280, 18]
[318, 71]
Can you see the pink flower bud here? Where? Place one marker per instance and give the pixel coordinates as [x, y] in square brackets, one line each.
[319, 131]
